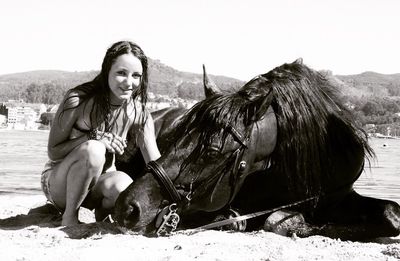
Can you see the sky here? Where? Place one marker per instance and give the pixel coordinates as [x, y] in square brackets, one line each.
[239, 39]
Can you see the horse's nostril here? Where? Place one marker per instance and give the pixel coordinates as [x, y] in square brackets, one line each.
[132, 214]
[128, 213]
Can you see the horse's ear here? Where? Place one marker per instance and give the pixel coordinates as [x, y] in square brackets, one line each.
[210, 88]
[299, 61]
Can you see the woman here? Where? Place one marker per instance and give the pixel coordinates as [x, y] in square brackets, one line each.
[90, 127]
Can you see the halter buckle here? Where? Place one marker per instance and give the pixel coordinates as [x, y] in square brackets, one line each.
[242, 165]
[170, 221]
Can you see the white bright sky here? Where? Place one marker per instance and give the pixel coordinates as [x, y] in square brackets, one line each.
[236, 38]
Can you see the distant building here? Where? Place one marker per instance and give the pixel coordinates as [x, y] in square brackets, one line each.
[370, 127]
[21, 115]
[154, 106]
[158, 102]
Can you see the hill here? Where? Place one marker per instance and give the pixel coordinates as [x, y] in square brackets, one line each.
[372, 83]
[163, 80]
[169, 81]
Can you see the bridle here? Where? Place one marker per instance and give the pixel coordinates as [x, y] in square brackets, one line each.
[168, 218]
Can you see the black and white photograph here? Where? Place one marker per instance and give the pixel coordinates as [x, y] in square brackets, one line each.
[199, 130]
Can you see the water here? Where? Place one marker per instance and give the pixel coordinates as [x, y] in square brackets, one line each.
[23, 155]
[382, 179]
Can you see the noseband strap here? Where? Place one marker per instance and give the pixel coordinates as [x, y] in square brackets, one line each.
[158, 171]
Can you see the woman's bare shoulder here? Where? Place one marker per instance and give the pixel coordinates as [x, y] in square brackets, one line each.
[74, 98]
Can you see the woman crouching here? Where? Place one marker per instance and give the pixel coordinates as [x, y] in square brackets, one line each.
[90, 127]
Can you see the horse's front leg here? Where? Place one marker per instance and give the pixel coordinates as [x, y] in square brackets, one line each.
[359, 218]
[289, 222]
[354, 218]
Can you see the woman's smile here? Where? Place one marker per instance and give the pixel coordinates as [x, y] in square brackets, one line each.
[125, 76]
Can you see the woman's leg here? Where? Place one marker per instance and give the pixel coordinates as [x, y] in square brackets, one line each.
[106, 191]
[75, 176]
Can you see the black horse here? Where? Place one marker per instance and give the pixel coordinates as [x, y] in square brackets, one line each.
[284, 137]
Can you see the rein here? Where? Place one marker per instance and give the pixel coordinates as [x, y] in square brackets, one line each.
[252, 215]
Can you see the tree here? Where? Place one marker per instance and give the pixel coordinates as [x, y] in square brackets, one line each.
[53, 93]
[32, 93]
[390, 105]
[372, 108]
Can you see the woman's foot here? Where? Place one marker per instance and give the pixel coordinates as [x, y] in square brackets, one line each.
[70, 220]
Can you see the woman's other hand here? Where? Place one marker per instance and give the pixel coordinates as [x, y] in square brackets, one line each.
[113, 142]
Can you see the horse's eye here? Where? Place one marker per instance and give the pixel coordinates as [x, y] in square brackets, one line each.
[212, 153]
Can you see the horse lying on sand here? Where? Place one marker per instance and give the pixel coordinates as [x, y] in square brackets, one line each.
[284, 139]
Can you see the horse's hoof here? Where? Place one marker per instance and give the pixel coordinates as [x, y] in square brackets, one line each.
[239, 226]
[284, 222]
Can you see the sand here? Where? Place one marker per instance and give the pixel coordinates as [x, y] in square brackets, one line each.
[101, 241]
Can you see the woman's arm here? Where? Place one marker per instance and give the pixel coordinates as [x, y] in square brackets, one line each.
[60, 144]
[147, 141]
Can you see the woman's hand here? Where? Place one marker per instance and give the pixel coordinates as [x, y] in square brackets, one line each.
[112, 142]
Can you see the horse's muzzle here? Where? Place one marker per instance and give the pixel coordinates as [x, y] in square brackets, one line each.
[127, 212]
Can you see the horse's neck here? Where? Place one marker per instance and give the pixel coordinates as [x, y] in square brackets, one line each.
[165, 119]
[264, 136]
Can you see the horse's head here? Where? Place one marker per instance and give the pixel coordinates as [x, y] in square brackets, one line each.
[213, 148]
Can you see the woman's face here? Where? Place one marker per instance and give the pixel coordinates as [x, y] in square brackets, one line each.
[124, 76]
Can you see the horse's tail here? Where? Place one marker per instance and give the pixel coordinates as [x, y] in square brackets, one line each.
[316, 131]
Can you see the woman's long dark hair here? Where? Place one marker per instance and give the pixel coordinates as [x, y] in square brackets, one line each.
[99, 90]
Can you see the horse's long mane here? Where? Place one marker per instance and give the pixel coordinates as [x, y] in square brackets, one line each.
[314, 126]
[313, 123]
[208, 119]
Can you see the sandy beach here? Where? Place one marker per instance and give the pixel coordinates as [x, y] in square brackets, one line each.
[22, 239]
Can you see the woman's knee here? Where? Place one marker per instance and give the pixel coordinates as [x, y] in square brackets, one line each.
[113, 185]
[120, 182]
[92, 153]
